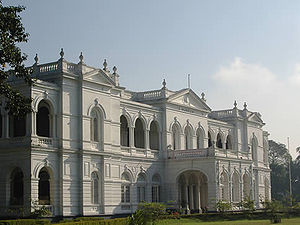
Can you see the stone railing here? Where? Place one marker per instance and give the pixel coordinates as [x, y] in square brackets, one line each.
[71, 67]
[149, 95]
[49, 67]
[44, 141]
[222, 114]
[187, 154]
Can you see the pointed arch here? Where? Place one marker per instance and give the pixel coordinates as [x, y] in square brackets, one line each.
[126, 179]
[254, 146]
[44, 187]
[124, 131]
[219, 143]
[224, 186]
[44, 119]
[176, 136]
[246, 185]
[139, 133]
[141, 187]
[235, 187]
[97, 125]
[188, 137]
[156, 188]
[154, 135]
[95, 188]
[200, 133]
[229, 142]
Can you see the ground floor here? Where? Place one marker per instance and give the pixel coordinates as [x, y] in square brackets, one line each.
[72, 183]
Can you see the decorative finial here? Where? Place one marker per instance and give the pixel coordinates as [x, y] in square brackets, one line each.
[62, 53]
[203, 96]
[81, 57]
[105, 65]
[235, 104]
[115, 70]
[36, 59]
[164, 83]
[245, 105]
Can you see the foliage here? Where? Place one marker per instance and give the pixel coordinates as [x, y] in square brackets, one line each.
[248, 204]
[96, 221]
[37, 210]
[24, 222]
[223, 206]
[273, 206]
[12, 60]
[147, 213]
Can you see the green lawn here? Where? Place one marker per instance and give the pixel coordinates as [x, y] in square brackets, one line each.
[293, 221]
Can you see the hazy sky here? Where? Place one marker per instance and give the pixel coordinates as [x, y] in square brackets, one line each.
[234, 50]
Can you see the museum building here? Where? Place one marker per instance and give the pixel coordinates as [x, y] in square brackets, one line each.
[91, 147]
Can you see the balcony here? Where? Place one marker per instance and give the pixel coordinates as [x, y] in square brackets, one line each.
[44, 142]
[203, 153]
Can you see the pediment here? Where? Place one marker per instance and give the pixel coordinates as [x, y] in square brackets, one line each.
[255, 117]
[98, 76]
[190, 99]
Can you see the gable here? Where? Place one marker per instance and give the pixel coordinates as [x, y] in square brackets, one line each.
[98, 76]
[188, 98]
[254, 117]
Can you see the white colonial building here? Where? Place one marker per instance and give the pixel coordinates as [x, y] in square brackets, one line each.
[92, 147]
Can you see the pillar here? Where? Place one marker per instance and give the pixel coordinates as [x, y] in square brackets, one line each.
[186, 188]
[191, 197]
[198, 198]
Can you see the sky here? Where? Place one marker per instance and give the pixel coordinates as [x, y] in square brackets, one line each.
[234, 50]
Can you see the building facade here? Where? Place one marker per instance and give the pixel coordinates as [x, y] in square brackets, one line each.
[92, 147]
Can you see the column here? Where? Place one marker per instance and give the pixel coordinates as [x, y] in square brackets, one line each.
[186, 190]
[147, 142]
[199, 198]
[33, 124]
[191, 197]
[131, 140]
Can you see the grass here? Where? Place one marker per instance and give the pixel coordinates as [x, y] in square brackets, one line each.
[293, 221]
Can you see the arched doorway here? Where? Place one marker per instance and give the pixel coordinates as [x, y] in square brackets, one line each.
[44, 187]
[43, 119]
[193, 191]
[154, 136]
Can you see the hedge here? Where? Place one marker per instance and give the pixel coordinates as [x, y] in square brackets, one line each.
[24, 222]
[96, 221]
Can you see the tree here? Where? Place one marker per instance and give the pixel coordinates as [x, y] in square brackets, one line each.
[12, 60]
[279, 158]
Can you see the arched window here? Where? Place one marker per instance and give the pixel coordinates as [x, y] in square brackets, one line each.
[224, 186]
[96, 126]
[175, 137]
[229, 142]
[209, 139]
[43, 120]
[200, 139]
[124, 131]
[16, 187]
[254, 149]
[44, 187]
[139, 134]
[154, 136]
[156, 188]
[125, 188]
[246, 185]
[95, 188]
[188, 138]
[17, 126]
[235, 187]
[219, 141]
[141, 187]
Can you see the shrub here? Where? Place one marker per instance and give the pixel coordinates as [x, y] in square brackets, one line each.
[24, 222]
[147, 213]
[223, 206]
